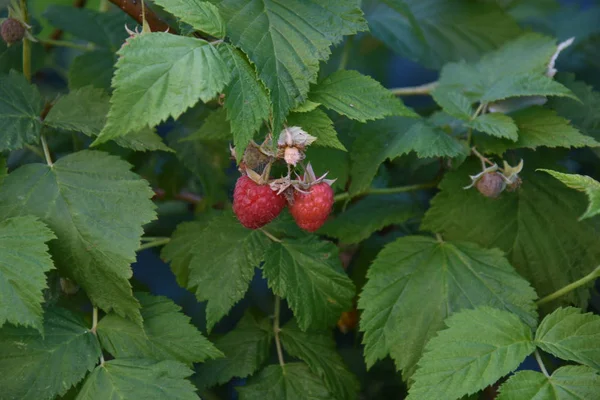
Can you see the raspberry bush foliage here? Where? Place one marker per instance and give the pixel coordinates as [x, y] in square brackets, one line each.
[261, 199]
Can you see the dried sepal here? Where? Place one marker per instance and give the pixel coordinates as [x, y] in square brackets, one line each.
[294, 136]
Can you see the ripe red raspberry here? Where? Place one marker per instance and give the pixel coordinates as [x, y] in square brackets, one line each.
[310, 210]
[12, 31]
[255, 205]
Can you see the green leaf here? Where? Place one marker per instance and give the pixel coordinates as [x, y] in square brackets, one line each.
[358, 97]
[453, 102]
[308, 273]
[287, 41]
[479, 347]
[216, 261]
[495, 124]
[184, 70]
[566, 383]
[392, 137]
[215, 127]
[201, 15]
[585, 115]
[24, 260]
[335, 162]
[536, 226]
[167, 334]
[433, 32]
[82, 110]
[306, 106]
[144, 140]
[38, 368]
[317, 124]
[518, 68]
[292, 382]
[570, 334]
[537, 127]
[94, 68]
[103, 29]
[246, 348]
[370, 215]
[207, 160]
[20, 107]
[3, 169]
[585, 184]
[246, 98]
[466, 276]
[96, 207]
[527, 84]
[139, 379]
[318, 350]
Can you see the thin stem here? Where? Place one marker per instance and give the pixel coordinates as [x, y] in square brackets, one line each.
[155, 243]
[276, 330]
[397, 189]
[94, 320]
[414, 90]
[26, 44]
[478, 110]
[570, 287]
[94, 329]
[346, 53]
[46, 149]
[72, 45]
[153, 238]
[439, 238]
[273, 238]
[538, 358]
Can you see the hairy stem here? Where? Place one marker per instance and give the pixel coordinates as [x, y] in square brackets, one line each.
[134, 9]
[64, 43]
[391, 190]
[276, 330]
[46, 149]
[26, 44]
[538, 358]
[570, 287]
[154, 243]
[414, 90]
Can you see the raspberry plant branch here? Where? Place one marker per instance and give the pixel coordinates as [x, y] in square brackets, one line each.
[154, 243]
[570, 287]
[390, 190]
[134, 9]
[424, 89]
[276, 330]
[538, 358]
[26, 44]
[64, 43]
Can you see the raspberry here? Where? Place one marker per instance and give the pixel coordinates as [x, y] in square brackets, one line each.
[255, 205]
[310, 210]
[12, 31]
[490, 185]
